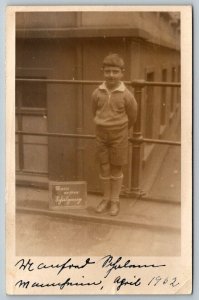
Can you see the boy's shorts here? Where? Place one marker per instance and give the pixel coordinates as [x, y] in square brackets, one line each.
[112, 145]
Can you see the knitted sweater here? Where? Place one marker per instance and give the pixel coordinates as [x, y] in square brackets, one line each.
[115, 108]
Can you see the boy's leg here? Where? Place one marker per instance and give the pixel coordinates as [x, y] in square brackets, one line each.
[106, 187]
[116, 185]
[103, 158]
[118, 158]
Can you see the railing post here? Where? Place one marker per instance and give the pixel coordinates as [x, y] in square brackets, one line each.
[80, 149]
[137, 144]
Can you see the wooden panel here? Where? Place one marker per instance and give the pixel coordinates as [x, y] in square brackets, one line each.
[17, 155]
[62, 119]
[35, 157]
[35, 124]
[35, 148]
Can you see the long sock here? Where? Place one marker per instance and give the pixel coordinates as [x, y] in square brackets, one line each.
[106, 187]
[116, 185]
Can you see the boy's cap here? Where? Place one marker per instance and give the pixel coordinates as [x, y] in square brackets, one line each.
[113, 60]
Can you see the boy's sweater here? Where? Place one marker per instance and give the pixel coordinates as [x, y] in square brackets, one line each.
[114, 109]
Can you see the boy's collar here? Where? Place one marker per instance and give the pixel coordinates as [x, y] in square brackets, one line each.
[120, 88]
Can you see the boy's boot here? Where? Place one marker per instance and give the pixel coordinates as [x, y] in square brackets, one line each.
[106, 185]
[116, 185]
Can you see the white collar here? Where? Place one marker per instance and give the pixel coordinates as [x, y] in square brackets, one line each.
[120, 88]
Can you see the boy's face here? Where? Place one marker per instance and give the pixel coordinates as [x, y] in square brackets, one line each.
[112, 76]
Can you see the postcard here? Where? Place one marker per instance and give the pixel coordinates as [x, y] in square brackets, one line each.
[99, 150]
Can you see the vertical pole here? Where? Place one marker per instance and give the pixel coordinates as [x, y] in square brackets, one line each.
[136, 151]
[80, 167]
[179, 88]
[20, 127]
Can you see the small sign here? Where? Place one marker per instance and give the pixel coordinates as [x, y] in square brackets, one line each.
[67, 194]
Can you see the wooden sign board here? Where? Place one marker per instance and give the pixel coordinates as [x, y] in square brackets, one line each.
[67, 194]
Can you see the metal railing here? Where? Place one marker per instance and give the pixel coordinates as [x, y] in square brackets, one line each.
[133, 83]
[91, 137]
[137, 140]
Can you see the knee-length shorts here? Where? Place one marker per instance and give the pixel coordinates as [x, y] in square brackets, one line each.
[112, 145]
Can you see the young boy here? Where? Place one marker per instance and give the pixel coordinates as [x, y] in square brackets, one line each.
[114, 110]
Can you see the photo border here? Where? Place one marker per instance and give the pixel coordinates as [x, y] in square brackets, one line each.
[3, 118]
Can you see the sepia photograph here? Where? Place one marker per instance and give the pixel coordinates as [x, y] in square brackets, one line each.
[97, 115]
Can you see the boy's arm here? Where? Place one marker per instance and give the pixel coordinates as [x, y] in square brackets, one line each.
[94, 103]
[131, 109]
